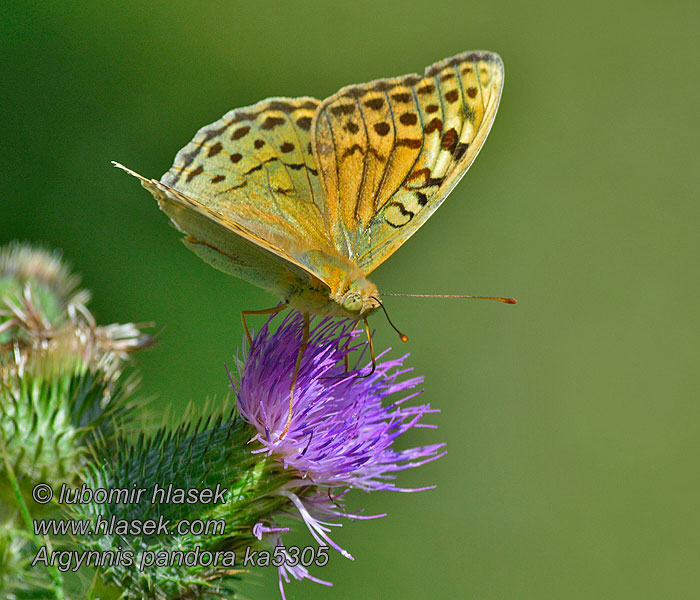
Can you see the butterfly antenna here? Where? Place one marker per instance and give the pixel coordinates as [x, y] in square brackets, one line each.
[402, 336]
[498, 298]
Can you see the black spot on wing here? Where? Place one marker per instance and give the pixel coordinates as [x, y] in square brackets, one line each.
[403, 97]
[298, 166]
[375, 103]
[254, 169]
[192, 174]
[215, 149]
[460, 150]
[352, 149]
[382, 128]
[404, 213]
[240, 132]
[272, 122]
[342, 109]
[304, 123]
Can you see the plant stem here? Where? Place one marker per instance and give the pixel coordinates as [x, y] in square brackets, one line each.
[24, 511]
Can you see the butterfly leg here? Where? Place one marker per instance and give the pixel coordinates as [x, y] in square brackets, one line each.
[346, 350]
[266, 311]
[371, 349]
[302, 348]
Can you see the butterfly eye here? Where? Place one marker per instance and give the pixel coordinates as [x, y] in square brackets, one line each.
[353, 303]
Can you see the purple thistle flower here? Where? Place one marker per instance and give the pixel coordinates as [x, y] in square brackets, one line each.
[259, 530]
[341, 434]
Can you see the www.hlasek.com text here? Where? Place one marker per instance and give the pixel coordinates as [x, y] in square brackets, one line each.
[115, 526]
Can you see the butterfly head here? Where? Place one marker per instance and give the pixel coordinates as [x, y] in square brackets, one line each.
[353, 303]
[360, 299]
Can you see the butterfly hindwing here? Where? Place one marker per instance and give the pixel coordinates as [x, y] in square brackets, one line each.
[255, 167]
[391, 150]
[227, 245]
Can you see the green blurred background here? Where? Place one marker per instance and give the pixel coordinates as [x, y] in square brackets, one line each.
[571, 419]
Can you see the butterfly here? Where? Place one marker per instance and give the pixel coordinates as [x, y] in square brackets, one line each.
[306, 197]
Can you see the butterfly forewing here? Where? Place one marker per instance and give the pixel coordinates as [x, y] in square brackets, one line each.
[390, 151]
[359, 156]
[255, 167]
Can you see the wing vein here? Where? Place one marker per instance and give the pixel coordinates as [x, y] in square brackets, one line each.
[301, 153]
[363, 179]
[337, 179]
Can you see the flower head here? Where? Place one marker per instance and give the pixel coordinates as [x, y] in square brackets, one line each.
[342, 431]
[343, 425]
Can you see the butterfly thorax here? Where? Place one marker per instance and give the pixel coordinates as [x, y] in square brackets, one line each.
[351, 294]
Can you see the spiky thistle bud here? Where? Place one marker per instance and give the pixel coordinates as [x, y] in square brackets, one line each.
[60, 373]
[61, 384]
